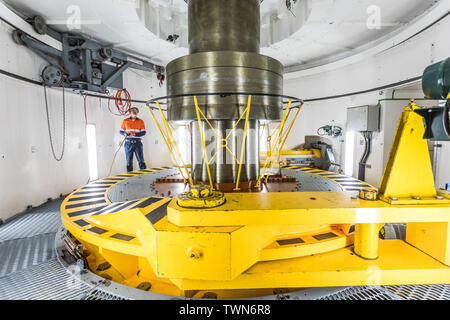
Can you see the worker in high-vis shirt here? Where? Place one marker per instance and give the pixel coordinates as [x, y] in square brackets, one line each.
[133, 129]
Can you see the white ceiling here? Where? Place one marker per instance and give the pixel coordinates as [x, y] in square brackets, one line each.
[164, 18]
[330, 30]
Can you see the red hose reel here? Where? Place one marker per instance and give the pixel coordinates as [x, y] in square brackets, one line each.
[122, 100]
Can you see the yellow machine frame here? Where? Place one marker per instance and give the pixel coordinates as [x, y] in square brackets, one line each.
[258, 241]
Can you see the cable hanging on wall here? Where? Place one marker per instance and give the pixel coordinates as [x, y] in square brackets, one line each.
[122, 100]
[49, 128]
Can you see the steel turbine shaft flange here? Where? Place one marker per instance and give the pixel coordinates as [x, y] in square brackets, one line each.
[225, 71]
[224, 42]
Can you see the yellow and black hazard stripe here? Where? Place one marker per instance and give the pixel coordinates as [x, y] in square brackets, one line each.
[92, 200]
[154, 209]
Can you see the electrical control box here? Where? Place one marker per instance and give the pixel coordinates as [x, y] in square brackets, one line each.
[363, 118]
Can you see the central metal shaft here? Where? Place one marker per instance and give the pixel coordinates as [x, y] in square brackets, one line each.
[224, 37]
[224, 25]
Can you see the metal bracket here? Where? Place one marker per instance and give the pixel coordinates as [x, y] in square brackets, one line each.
[434, 123]
[86, 64]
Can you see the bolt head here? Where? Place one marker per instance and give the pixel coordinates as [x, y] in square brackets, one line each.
[194, 253]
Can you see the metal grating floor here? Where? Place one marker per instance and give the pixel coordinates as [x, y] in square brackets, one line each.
[43, 219]
[30, 270]
[362, 293]
[405, 292]
[19, 254]
[421, 292]
[48, 281]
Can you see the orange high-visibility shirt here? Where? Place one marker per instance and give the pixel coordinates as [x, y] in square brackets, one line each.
[133, 126]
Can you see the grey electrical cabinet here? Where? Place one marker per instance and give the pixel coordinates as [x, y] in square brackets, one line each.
[363, 118]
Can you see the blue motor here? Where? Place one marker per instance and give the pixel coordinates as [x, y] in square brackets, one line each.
[436, 80]
[436, 85]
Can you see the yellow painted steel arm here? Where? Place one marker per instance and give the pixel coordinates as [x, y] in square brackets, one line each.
[278, 139]
[218, 137]
[166, 142]
[243, 143]
[290, 127]
[203, 141]
[273, 147]
[174, 142]
[281, 136]
[209, 123]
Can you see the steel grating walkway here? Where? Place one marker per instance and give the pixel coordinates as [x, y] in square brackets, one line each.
[29, 268]
[406, 292]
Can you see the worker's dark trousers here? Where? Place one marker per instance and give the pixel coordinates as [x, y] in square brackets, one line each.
[134, 147]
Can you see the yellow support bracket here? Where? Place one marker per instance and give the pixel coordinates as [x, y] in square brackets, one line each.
[166, 141]
[197, 109]
[283, 138]
[290, 126]
[408, 176]
[243, 143]
[277, 135]
[269, 156]
[237, 122]
[218, 137]
[280, 137]
[173, 142]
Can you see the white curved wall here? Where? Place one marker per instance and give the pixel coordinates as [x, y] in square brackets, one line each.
[405, 61]
[28, 173]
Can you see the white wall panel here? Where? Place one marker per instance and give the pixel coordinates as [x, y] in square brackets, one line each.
[405, 61]
[28, 173]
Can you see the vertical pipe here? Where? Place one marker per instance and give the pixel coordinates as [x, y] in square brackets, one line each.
[224, 25]
[368, 148]
[366, 240]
